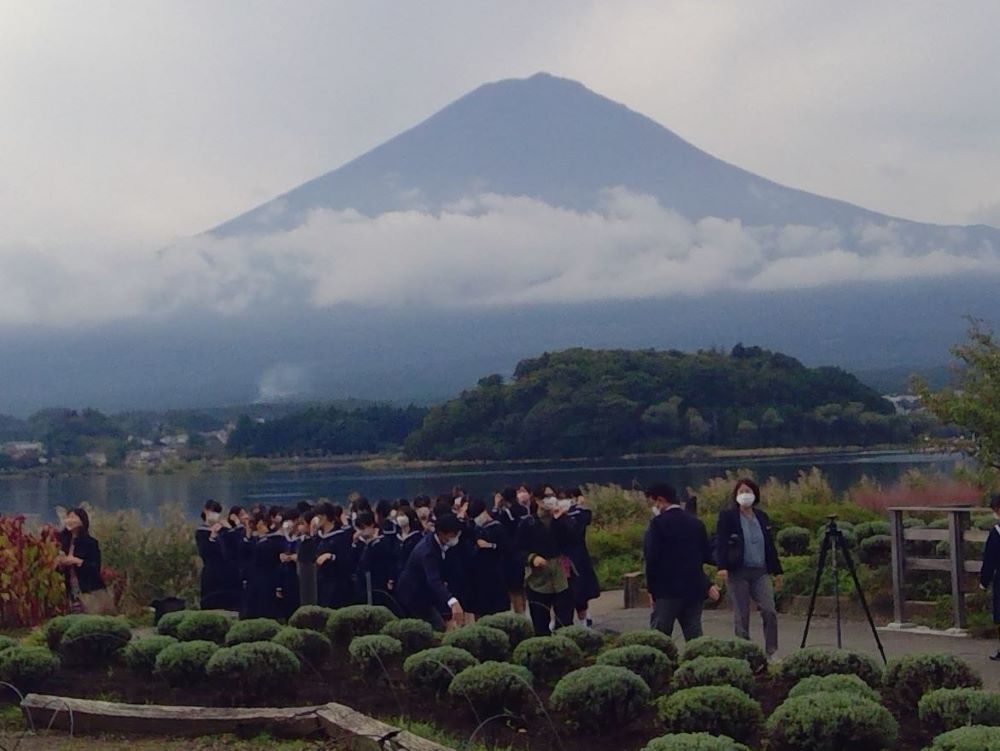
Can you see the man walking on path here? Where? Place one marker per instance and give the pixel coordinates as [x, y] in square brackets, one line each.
[676, 551]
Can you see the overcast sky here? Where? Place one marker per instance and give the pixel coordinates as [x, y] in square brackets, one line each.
[130, 124]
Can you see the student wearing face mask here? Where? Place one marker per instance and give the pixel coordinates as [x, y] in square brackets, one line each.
[218, 585]
[583, 579]
[989, 575]
[747, 558]
[423, 591]
[515, 505]
[490, 545]
[239, 553]
[409, 535]
[543, 539]
[376, 557]
[334, 562]
[289, 558]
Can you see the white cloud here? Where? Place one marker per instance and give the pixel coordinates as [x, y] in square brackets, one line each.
[486, 250]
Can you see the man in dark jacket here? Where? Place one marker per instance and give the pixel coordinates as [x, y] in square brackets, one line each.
[676, 550]
[422, 591]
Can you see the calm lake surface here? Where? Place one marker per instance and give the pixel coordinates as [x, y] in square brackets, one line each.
[38, 496]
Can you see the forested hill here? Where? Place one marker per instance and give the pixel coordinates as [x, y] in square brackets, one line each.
[611, 402]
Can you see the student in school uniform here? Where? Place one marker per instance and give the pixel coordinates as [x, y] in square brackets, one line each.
[989, 575]
[513, 507]
[266, 589]
[375, 554]
[217, 575]
[542, 540]
[334, 560]
[306, 557]
[423, 591]
[238, 554]
[583, 580]
[289, 558]
[491, 544]
[409, 535]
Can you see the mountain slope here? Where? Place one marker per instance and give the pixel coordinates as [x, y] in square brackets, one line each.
[555, 140]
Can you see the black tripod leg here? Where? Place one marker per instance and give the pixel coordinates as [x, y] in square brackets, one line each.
[861, 596]
[823, 550]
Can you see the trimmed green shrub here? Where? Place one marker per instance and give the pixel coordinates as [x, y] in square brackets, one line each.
[875, 550]
[433, 669]
[345, 624]
[649, 663]
[27, 668]
[794, 540]
[251, 630]
[253, 669]
[715, 671]
[94, 640]
[482, 642]
[548, 657]
[974, 738]
[495, 687]
[650, 638]
[718, 710]
[414, 634]
[54, 629]
[870, 529]
[204, 625]
[517, 627]
[589, 640]
[836, 683]
[949, 708]
[694, 742]
[183, 664]
[600, 698]
[375, 653]
[311, 647]
[741, 649]
[826, 661]
[831, 722]
[7, 643]
[168, 623]
[908, 678]
[312, 617]
[140, 655]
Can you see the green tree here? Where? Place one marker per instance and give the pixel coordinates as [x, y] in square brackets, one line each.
[974, 403]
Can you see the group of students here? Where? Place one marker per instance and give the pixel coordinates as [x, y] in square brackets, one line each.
[443, 560]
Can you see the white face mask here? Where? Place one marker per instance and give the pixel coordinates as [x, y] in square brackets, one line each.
[286, 527]
[403, 522]
[550, 503]
[212, 517]
[483, 519]
[565, 504]
[452, 542]
[655, 510]
[745, 499]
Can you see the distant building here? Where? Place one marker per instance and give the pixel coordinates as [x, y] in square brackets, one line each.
[904, 403]
[181, 439]
[22, 449]
[96, 459]
[150, 457]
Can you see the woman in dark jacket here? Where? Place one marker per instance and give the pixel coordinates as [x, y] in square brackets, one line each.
[79, 558]
[542, 541]
[218, 585]
[989, 575]
[264, 585]
[747, 558]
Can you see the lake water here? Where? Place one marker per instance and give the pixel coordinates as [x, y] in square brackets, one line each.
[38, 496]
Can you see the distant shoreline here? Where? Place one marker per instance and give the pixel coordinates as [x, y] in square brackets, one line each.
[388, 462]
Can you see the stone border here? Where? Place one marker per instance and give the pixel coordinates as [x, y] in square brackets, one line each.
[86, 716]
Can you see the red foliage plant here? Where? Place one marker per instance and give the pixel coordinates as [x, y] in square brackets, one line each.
[31, 589]
[938, 493]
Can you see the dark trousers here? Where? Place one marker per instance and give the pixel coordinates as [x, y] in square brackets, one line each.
[686, 612]
[541, 606]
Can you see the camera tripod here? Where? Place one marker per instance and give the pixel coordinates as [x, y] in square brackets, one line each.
[834, 538]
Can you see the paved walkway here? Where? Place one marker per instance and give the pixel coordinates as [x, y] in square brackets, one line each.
[608, 612]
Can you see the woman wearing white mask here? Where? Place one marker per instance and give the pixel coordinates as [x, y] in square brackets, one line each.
[489, 591]
[543, 539]
[747, 558]
[217, 586]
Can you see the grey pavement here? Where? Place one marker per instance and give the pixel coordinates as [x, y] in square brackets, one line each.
[608, 613]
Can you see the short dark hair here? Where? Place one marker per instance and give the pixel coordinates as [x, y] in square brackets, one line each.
[447, 524]
[995, 502]
[303, 506]
[663, 490]
[509, 494]
[476, 507]
[750, 484]
[364, 519]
